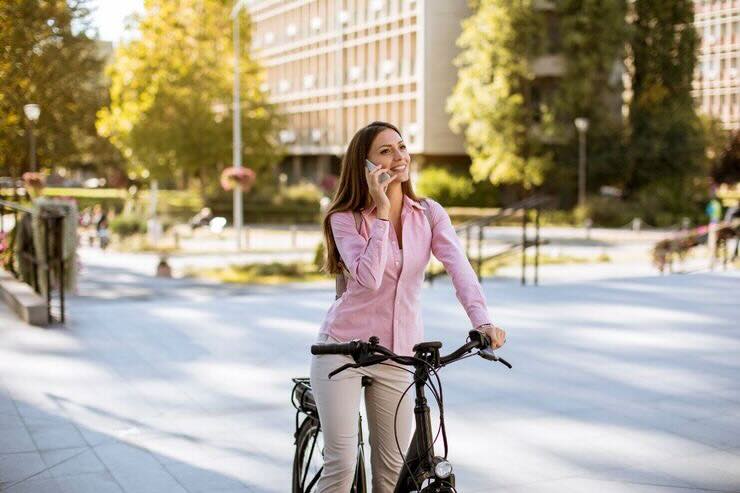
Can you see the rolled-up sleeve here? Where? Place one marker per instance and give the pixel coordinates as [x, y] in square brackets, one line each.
[364, 258]
[447, 249]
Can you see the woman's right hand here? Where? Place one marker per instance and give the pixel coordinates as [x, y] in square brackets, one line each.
[377, 191]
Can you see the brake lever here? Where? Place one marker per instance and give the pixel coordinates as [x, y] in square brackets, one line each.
[369, 361]
[488, 354]
[342, 368]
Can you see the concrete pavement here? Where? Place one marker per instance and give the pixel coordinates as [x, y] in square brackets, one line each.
[620, 384]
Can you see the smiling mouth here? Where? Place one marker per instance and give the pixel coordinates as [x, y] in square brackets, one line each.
[398, 168]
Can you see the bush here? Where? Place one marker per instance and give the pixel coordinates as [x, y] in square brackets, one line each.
[303, 193]
[606, 212]
[297, 204]
[665, 203]
[319, 256]
[127, 225]
[446, 188]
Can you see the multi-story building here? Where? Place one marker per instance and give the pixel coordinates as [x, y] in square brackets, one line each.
[333, 66]
[717, 81]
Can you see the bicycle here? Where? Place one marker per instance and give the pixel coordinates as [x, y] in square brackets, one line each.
[420, 464]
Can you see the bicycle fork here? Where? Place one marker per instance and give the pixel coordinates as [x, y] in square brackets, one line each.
[420, 459]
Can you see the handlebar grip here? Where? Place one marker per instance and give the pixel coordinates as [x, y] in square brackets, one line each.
[345, 348]
[480, 337]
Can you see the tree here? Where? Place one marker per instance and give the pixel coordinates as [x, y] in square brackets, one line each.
[48, 56]
[727, 169]
[170, 90]
[518, 128]
[666, 140]
[490, 102]
[593, 36]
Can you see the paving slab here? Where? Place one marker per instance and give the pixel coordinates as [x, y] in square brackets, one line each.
[622, 382]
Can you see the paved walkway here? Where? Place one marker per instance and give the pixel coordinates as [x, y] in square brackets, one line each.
[627, 384]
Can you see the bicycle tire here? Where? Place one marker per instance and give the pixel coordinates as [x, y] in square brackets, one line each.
[304, 439]
[304, 443]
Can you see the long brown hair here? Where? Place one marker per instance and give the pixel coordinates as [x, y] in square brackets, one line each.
[352, 193]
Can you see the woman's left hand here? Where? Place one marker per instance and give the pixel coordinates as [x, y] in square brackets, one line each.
[496, 334]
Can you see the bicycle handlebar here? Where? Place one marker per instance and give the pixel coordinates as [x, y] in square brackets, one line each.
[347, 348]
[363, 350]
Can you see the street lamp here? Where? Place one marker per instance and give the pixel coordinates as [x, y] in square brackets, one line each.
[237, 132]
[32, 111]
[582, 126]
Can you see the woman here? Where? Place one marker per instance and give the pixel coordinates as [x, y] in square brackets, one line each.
[385, 255]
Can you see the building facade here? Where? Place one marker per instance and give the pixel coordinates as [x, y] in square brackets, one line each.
[717, 81]
[333, 66]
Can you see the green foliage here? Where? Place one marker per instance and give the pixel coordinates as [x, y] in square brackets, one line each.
[606, 212]
[127, 225]
[666, 138]
[319, 256]
[593, 34]
[490, 100]
[439, 184]
[170, 91]
[302, 193]
[518, 126]
[727, 168]
[273, 273]
[48, 57]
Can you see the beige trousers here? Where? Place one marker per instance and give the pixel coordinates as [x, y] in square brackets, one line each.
[338, 402]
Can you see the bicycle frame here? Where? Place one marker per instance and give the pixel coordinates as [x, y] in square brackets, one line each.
[420, 458]
[420, 463]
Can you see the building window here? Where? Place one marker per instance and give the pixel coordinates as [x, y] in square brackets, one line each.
[284, 85]
[309, 81]
[316, 23]
[388, 67]
[377, 5]
[355, 72]
[343, 17]
[269, 37]
[291, 30]
[316, 135]
[287, 136]
[411, 130]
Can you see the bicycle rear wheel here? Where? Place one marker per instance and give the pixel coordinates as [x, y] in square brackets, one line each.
[308, 462]
[309, 457]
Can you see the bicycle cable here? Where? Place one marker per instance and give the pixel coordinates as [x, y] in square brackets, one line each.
[437, 393]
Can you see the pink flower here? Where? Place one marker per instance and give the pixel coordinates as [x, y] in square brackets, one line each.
[34, 180]
[329, 183]
[237, 177]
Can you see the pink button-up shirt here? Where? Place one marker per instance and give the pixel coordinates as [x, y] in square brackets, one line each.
[383, 293]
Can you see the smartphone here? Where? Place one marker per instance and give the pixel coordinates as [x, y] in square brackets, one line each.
[371, 167]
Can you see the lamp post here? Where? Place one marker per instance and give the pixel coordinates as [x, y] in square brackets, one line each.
[237, 132]
[582, 126]
[32, 111]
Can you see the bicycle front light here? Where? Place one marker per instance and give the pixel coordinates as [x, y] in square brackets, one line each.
[442, 469]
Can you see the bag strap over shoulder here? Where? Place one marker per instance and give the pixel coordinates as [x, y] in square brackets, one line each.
[427, 212]
[340, 282]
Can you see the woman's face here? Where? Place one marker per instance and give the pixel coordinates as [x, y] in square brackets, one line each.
[389, 152]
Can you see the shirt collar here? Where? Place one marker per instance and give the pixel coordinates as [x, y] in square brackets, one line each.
[406, 200]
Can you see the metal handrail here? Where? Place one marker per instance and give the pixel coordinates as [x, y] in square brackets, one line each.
[52, 261]
[522, 207]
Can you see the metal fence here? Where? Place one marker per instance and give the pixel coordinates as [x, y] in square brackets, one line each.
[40, 261]
[473, 236]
